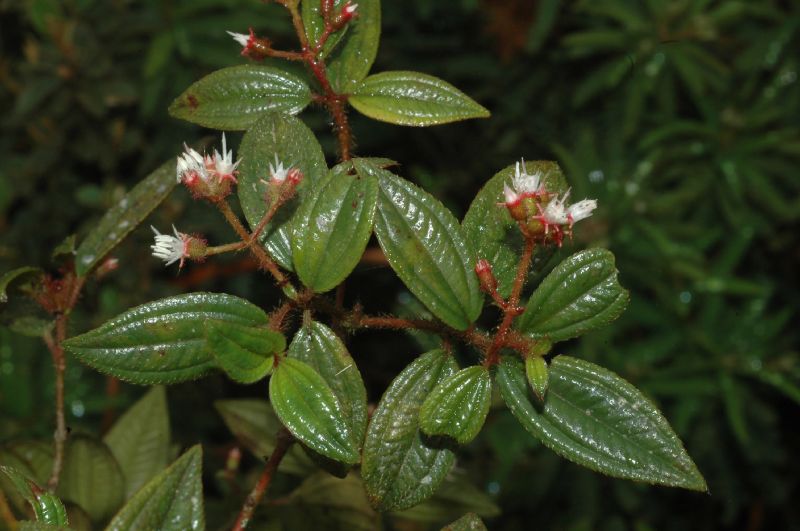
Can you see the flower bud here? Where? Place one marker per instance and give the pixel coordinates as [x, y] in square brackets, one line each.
[485, 276]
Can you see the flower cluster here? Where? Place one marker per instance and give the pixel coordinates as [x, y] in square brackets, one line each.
[177, 247]
[208, 176]
[540, 213]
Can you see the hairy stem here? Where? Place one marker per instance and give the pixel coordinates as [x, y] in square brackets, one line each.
[284, 441]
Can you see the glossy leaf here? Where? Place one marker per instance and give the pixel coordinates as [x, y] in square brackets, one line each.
[309, 409]
[173, 500]
[9, 276]
[124, 216]
[538, 375]
[458, 405]
[162, 341]
[399, 468]
[580, 294]
[139, 440]
[318, 346]
[352, 60]
[334, 227]
[234, 98]
[468, 522]
[427, 249]
[91, 477]
[594, 418]
[328, 502]
[46, 506]
[245, 353]
[495, 235]
[413, 98]
[295, 145]
[255, 425]
[315, 25]
[455, 496]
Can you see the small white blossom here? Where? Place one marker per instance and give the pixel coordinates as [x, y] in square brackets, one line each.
[241, 38]
[170, 248]
[191, 165]
[556, 213]
[511, 196]
[278, 173]
[524, 182]
[581, 209]
[350, 9]
[222, 164]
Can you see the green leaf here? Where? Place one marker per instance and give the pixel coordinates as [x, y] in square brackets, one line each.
[594, 418]
[295, 145]
[537, 372]
[139, 440]
[46, 506]
[307, 406]
[66, 247]
[173, 500]
[315, 25]
[318, 346]
[125, 216]
[234, 98]
[245, 353]
[454, 497]
[458, 405]
[255, 424]
[399, 468]
[327, 502]
[413, 98]
[163, 341]
[9, 276]
[495, 235]
[468, 522]
[91, 477]
[352, 61]
[334, 227]
[427, 249]
[580, 294]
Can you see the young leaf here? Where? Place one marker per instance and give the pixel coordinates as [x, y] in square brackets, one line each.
[351, 62]
[537, 372]
[594, 418]
[458, 405]
[91, 478]
[234, 98]
[125, 216]
[46, 506]
[318, 345]
[307, 406]
[398, 468]
[163, 341]
[427, 249]
[315, 25]
[333, 228]
[580, 294]
[12, 275]
[413, 98]
[288, 139]
[172, 500]
[495, 235]
[468, 522]
[139, 440]
[245, 353]
[254, 423]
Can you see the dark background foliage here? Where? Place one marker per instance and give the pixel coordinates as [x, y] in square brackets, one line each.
[680, 117]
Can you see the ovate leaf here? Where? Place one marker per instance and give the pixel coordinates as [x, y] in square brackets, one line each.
[580, 294]
[413, 98]
[125, 216]
[245, 353]
[309, 409]
[456, 495]
[173, 500]
[495, 235]
[468, 522]
[399, 468]
[351, 62]
[294, 145]
[91, 477]
[458, 405]
[255, 425]
[234, 98]
[162, 341]
[318, 345]
[139, 440]
[427, 249]
[46, 506]
[594, 418]
[334, 227]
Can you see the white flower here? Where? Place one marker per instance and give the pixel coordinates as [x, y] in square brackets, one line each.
[581, 210]
[525, 183]
[278, 173]
[170, 248]
[241, 38]
[350, 9]
[556, 213]
[191, 166]
[511, 196]
[222, 165]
